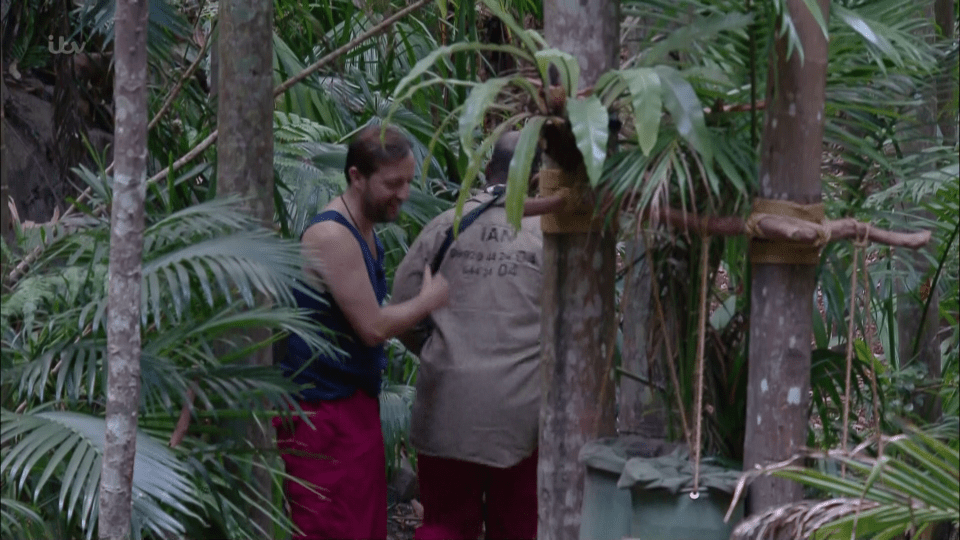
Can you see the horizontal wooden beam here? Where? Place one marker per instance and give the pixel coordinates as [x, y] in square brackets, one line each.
[770, 227]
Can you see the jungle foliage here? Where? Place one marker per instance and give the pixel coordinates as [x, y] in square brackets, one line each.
[453, 76]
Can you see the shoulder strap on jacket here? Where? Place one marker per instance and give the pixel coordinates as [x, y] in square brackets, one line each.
[464, 223]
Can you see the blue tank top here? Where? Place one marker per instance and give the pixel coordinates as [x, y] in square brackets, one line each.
[359, 367]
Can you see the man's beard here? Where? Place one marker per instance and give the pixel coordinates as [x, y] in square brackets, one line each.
[379, 213]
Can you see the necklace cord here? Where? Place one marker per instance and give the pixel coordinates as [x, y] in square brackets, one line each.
[349, 213]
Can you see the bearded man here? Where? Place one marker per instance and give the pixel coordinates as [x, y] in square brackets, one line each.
[341, 456]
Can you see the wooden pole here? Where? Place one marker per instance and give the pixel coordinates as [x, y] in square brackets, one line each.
[578, 325]
[782, 294]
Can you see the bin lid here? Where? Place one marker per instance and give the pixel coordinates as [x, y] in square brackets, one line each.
[611, 453]
[674, 473]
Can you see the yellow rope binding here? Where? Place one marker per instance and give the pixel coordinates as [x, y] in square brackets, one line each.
[577, 215]
[783, 251]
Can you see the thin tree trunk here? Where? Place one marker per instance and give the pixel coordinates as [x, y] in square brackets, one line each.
[641, 408]
[6, 219]
[918, 304]
[578, 304]
[245, 167]
[245, 108]
[215, 66]
[945, 17]
[782, 294]
[126, 257]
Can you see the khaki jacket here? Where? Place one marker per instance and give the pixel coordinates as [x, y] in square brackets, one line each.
[478, 386]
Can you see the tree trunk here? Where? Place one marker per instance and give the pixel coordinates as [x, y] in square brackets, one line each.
[945, 17]
[578, 324]
[782, 294]
[214, 67]
[245, 164]
[126, 258]
[6, 219]
[641, 408]
[245, 108]
[918, 304]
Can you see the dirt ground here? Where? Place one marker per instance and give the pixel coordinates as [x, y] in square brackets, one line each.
[402, 520]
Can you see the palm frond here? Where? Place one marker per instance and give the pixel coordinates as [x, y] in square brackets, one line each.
[311, 99]
[396, 401]
[198, 262]
[889, 31]
[19, 520]
[221, 471]
[166, 24]
[294, 128]
[913, 485]
[69, 447]
[243, 264]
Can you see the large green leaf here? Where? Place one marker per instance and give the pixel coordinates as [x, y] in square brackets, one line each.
[590, 124]
[406, 87]
[890, 33]
[476, 161]
[864, 28]
[566, 65]
[518, 178]
[295, 128]
[610, 86]
[528, 38]
[685, 108]
[167, 24]
[644, 85]
[475, 107]
[818, 16]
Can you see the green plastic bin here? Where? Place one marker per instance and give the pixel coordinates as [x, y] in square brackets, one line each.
[607, 510]
[661, 504]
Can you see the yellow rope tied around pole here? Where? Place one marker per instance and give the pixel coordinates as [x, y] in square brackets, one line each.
[577, 215]
[785, 252]
[701, 342]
